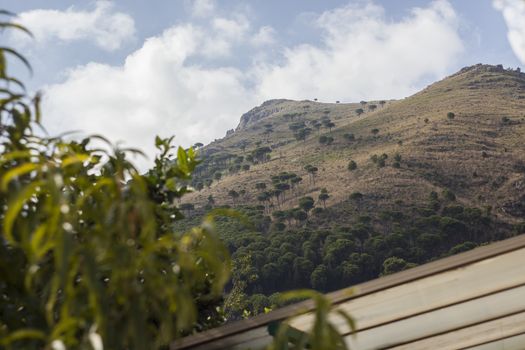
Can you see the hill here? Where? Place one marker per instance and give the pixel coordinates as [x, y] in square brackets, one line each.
[342, 193]
[479, 155]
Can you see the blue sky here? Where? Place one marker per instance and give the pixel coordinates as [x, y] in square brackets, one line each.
[192, 67]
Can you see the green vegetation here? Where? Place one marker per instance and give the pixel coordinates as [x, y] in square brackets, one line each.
[88, 249]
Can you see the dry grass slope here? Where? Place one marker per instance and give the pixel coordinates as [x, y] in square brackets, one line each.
[479, 154]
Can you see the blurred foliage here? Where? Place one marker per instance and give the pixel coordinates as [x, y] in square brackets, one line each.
[323, 334]
[88, 254]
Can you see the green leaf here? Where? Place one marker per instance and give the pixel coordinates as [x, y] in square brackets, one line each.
[19, 56]
[22, 334]
[182, 160]
[18, 171]
[14, 207]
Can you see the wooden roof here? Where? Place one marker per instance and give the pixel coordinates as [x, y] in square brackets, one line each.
[472, 300]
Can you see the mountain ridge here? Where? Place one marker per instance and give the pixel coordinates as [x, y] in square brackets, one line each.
[478, 155]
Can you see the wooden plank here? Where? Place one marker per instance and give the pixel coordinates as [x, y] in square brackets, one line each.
[446, 320]
[430, 293]
[231, 330]
[503, 333]
[508, 343]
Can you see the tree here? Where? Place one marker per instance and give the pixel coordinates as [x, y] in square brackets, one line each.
[450, 115]
[268, 129]
[312, 171]
[352, 165]
[327, 123]
[319, 278]
[372, 107]
[233, 195]
[187, 207]
[296, 126]
[382, 103]
[359, 111]
[363, 103]
[300, 215]
[302, 134]
[326, 140]
[261, 186]
[306, 203]
[395, 264]
[349, 137]
[323, 196]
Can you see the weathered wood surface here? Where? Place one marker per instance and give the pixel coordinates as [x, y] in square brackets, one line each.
[395, 298]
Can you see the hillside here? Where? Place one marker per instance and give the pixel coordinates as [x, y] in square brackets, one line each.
[479, 155]
[339, 194]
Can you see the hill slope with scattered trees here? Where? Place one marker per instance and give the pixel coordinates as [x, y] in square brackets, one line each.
[342, 193]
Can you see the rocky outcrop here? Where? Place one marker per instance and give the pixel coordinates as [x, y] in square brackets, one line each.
[263, 111]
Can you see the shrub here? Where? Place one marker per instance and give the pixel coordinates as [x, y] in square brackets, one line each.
[449, 195]
[450, 115]
[352, 165]
[356, 196]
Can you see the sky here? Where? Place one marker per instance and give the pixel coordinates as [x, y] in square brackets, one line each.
[133, 69]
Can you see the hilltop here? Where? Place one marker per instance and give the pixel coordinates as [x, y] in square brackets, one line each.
[478, 155]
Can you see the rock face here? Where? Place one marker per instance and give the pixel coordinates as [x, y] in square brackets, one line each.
[263, 111]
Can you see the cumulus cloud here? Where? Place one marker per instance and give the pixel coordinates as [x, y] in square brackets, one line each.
[156, 91]
[165, 88]
[202, 8]
[514, 14]
[366, 56]
[224, 34]
[264, 37]
[103, 26]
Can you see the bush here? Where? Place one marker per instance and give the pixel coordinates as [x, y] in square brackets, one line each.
[356, 196]
[449, 195]
[450, 115]
[352, 165]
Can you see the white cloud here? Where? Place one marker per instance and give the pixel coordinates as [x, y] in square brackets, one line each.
[202, 8]
[514, 14]
[156, 91]
[264, 37]
[366, 56]
[166, 88]
[103, 26]
[224, 34]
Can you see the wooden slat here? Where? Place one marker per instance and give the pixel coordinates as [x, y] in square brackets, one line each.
[228, 332]
[447, 320]
[430, 293]
[490, 335]
[505, 343]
